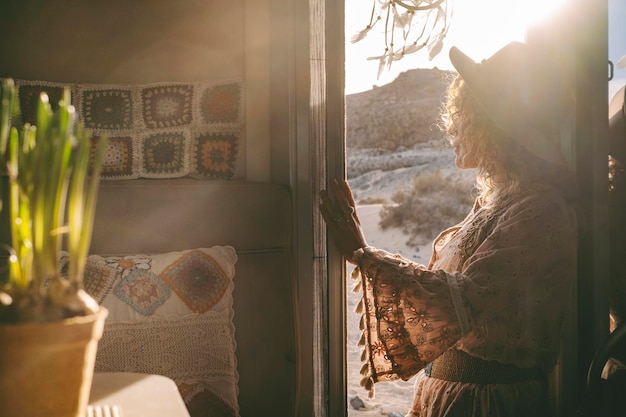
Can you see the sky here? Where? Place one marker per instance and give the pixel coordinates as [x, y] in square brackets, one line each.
[472, 30]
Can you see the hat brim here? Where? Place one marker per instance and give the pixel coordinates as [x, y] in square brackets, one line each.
[465, 66]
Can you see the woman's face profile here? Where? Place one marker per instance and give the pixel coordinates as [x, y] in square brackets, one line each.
[459, 130]
[465, 157]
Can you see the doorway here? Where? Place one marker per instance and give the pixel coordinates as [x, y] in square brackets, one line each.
[395, 151]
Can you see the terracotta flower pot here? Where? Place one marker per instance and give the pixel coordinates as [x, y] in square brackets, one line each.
[46, 369]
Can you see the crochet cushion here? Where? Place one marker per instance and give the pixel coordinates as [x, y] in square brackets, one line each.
[171, 314]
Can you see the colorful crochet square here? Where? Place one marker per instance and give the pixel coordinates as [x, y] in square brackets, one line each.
[220, 103]
[167, 105]
[216, 155]
[107, 109]
[145, 124]
[28, 98]
[163, 155]
[127, 264]
[98, 280]
[197, 279]
[118, 157]
[143, 291]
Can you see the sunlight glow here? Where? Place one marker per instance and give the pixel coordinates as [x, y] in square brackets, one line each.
[535, 11]
[478, 27]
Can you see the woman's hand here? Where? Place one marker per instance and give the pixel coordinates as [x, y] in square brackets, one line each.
[339, 211]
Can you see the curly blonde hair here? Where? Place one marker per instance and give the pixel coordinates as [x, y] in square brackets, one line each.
[504, 166]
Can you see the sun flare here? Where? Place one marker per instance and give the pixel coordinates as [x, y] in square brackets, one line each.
[478, 27]
[532, 12]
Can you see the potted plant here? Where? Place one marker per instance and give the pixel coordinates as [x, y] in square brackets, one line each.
[49, 326]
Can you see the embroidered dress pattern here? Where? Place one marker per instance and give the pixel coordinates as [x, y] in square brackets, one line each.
[160, 130]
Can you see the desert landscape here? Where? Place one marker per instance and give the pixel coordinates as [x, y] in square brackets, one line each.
[392, 139]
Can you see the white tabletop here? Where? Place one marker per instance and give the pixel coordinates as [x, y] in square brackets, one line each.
[137, 395]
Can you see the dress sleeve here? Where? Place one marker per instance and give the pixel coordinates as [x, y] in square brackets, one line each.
[514, 279]
[408, 316]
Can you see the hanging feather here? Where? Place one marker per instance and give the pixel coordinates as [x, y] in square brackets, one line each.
[363, 355]
[362, 323]
[381, 65]
[409, 23]
[389, 59]
[401, 20]
[359, 307]
[363, 33]
[373, 58]
[360, 35]
[436, 46]
[428, 17]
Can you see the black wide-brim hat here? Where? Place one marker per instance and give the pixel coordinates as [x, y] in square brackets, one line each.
[617, 125]
[524, 92]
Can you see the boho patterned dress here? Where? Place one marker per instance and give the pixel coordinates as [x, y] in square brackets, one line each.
[497, 287]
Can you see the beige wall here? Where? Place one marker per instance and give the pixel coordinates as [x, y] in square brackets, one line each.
[145, 41]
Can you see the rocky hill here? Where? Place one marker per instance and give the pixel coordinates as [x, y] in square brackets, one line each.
[392, 136]
[399, 114]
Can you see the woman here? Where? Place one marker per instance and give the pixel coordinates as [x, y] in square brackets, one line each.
[479, 326]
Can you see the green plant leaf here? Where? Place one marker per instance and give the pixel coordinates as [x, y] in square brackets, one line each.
[52, 194]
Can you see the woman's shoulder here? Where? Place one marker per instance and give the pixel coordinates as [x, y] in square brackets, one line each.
[544, 196]
[545, 202]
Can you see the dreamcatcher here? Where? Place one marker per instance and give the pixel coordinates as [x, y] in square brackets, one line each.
[410, 26]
